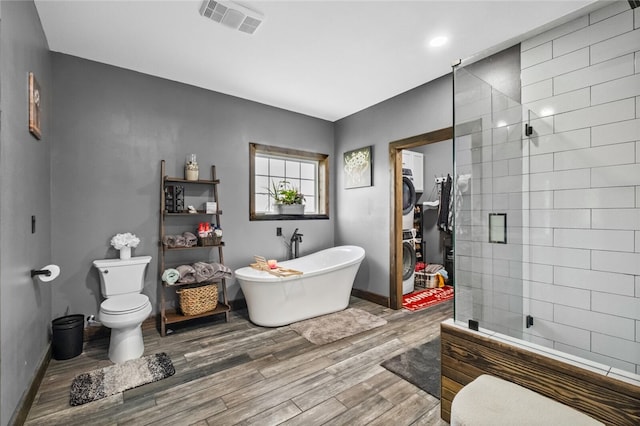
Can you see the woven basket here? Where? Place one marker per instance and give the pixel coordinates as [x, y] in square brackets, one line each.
[197, 300]
[209, 241]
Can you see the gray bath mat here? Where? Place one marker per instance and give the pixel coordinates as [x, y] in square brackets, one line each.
[98, 384]
[419, 366]
[336, 326]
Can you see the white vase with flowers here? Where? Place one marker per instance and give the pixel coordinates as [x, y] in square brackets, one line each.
[125, 242]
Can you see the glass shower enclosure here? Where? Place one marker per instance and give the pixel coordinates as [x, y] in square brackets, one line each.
[491, 204]
[515, 273]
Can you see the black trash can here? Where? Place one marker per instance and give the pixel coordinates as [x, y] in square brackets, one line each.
[67, 336]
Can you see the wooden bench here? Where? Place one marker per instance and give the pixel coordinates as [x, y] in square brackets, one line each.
[467, 354]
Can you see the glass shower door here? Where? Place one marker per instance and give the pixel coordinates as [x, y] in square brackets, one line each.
[491, 206]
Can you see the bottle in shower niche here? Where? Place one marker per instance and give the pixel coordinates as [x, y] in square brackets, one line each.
[191, 168]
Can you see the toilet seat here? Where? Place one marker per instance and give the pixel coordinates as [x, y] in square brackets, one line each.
[124, 304]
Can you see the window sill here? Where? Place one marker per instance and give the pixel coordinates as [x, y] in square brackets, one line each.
[288, 216]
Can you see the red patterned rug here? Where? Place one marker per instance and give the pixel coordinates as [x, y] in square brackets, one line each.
[427, 297]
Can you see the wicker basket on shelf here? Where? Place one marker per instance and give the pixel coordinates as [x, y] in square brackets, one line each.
[197, 300]
[209, 241]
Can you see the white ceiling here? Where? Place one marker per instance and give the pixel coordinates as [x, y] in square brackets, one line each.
[326, 59]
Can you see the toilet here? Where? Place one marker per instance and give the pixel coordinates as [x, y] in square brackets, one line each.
[124, 308]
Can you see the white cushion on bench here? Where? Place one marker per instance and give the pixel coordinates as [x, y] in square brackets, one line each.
[489, 400]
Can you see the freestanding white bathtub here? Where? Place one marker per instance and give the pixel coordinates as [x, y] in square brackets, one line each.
[324, 287]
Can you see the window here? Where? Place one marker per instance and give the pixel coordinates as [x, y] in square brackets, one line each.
[307, 172]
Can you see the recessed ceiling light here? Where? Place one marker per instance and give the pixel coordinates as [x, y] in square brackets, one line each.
[438, 41]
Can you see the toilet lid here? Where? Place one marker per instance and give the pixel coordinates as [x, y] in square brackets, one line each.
[124, 304]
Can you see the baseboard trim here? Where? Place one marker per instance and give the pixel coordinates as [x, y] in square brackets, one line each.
[371, 297]
[22, 410]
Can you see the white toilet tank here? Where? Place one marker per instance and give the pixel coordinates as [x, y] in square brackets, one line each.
[119, 276]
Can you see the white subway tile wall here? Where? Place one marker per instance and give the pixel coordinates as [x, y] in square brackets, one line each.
[595, 157]
[600, 73]
[616, 46]
[594, 33]
[609, 134]
[569, 218]
[595, 115]
[626, 263]
[596, 322]
[615, 283]
[538, 54]
[606, 12]
[556, 142]
[571, 191]
[535, 91]
[595, 198]
[556, 66]
[579, 181]
[555, 33]
[616, 89]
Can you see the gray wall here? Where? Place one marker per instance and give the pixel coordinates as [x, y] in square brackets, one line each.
[25, 304]
[363, 216]
[113, 127]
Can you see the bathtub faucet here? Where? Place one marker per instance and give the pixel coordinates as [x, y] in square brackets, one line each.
[294, 244]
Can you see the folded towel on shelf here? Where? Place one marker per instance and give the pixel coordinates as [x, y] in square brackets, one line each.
[190, 239]
[220, 271]
[169, 240]
[170, 276]
[204, 271]
[180, 241]
[187, 274]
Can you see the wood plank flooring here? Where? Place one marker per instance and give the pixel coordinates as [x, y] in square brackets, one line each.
[237, 373]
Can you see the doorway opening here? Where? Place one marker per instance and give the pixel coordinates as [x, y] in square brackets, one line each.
[395, 158]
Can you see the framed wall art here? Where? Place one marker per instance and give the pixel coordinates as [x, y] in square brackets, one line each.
[358, 168]
[34, 107]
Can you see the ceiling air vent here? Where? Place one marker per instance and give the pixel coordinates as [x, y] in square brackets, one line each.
[634, 3]
[232, 15]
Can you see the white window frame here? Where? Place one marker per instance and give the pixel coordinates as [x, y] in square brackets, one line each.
[291, 156]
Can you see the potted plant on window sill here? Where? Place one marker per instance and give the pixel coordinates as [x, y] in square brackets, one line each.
[288, 200]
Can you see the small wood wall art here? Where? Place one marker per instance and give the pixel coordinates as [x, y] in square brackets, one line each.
[358, 167]
[34, 107]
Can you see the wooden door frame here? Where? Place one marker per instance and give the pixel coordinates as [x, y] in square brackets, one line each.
[395, 237]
